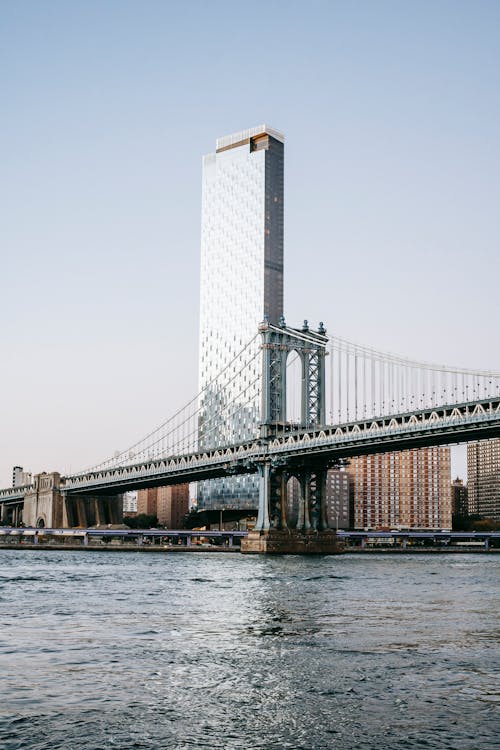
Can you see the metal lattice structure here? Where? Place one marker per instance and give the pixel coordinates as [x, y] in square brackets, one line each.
[278, 342]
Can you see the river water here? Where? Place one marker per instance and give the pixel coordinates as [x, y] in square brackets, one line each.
[210, 650]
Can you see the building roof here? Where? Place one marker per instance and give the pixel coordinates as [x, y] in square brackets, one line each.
[243, 135]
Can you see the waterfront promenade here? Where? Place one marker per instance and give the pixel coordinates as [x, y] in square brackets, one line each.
[182, 540]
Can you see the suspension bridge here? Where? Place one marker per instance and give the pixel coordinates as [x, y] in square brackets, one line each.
[315, 400]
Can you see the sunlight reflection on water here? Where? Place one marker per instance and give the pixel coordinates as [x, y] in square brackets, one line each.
[129, 650]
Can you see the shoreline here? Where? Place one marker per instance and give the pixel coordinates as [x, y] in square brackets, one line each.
[199, 549]
[118, 548]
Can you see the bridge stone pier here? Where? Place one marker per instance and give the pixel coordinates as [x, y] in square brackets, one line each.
[11, 514]
[46, 505]
[275, 530]
[93, 510]
[43, 502]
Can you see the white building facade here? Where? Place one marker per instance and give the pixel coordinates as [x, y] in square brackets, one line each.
[130, 502]
[241, 282]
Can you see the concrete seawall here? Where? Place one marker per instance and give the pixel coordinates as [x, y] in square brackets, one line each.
[206, 548]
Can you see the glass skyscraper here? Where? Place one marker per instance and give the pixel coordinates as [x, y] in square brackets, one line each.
[241, 281]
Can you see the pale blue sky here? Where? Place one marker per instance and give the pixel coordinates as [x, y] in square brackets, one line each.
[391, 112]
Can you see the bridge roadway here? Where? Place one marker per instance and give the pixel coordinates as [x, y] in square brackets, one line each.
[434, 426]
[440, 425]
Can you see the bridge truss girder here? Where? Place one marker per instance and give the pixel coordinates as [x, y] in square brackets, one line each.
[452, 423]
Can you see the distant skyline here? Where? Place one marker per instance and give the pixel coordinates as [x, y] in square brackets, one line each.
[391, 113]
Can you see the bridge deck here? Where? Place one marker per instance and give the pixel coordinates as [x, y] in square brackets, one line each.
[453, 423]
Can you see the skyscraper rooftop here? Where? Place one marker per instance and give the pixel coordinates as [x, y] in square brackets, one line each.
[244, 135]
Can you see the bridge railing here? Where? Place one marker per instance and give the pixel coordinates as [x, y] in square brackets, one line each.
[14, 493]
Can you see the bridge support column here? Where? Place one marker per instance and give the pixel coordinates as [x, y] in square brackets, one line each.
[303, 520]
[272, 533]
[262, 523]
[100, 518]
[312, 502]
[92, 510]
[80, 512]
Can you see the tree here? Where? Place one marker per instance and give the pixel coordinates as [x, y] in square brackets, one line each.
[474, 523]
[142, 521]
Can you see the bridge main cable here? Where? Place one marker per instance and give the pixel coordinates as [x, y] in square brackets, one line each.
[366, 382]
[179, 419]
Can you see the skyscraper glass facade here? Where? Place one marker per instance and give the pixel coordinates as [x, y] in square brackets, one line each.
[241, 281]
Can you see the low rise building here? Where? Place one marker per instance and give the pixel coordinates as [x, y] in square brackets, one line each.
[337, 499]
[21, 478]
[169, 504]
[147, 501]
[459, 499]
[130, 503]
[172, 505]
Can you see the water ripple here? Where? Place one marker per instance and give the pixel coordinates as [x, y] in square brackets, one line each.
[223, 651]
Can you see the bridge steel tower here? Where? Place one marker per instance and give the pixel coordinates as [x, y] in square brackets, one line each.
[274, 530]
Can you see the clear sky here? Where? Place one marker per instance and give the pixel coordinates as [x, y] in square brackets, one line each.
[391, 112]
